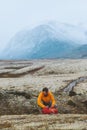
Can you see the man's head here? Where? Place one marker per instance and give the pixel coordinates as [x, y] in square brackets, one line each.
[45, 91]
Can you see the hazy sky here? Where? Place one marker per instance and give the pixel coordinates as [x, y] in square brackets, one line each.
[15, 15]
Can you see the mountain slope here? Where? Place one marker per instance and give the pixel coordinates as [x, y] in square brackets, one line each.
[52, 49]
[79, 52]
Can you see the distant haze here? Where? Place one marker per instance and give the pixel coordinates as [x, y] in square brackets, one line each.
[16, 15]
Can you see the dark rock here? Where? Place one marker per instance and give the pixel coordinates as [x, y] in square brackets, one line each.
[85, 103]
[71, 103]
[72, 93]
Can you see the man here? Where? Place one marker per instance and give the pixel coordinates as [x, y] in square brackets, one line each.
[46, 99]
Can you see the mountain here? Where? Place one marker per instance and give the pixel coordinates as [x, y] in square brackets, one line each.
[50, 40]
[79, 52]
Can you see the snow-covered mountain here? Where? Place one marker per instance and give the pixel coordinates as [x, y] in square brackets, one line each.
[50, 40]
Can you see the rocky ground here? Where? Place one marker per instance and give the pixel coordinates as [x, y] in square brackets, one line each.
[21, 82]
[44, 122]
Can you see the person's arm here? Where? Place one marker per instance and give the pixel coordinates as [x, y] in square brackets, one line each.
[39, 102]
[53, 99]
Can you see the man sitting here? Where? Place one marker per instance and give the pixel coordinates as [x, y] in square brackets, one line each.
[46, 99]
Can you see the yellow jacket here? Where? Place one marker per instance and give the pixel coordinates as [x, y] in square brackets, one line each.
[47, 99]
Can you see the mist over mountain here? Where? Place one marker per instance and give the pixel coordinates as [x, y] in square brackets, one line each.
[50, 40]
